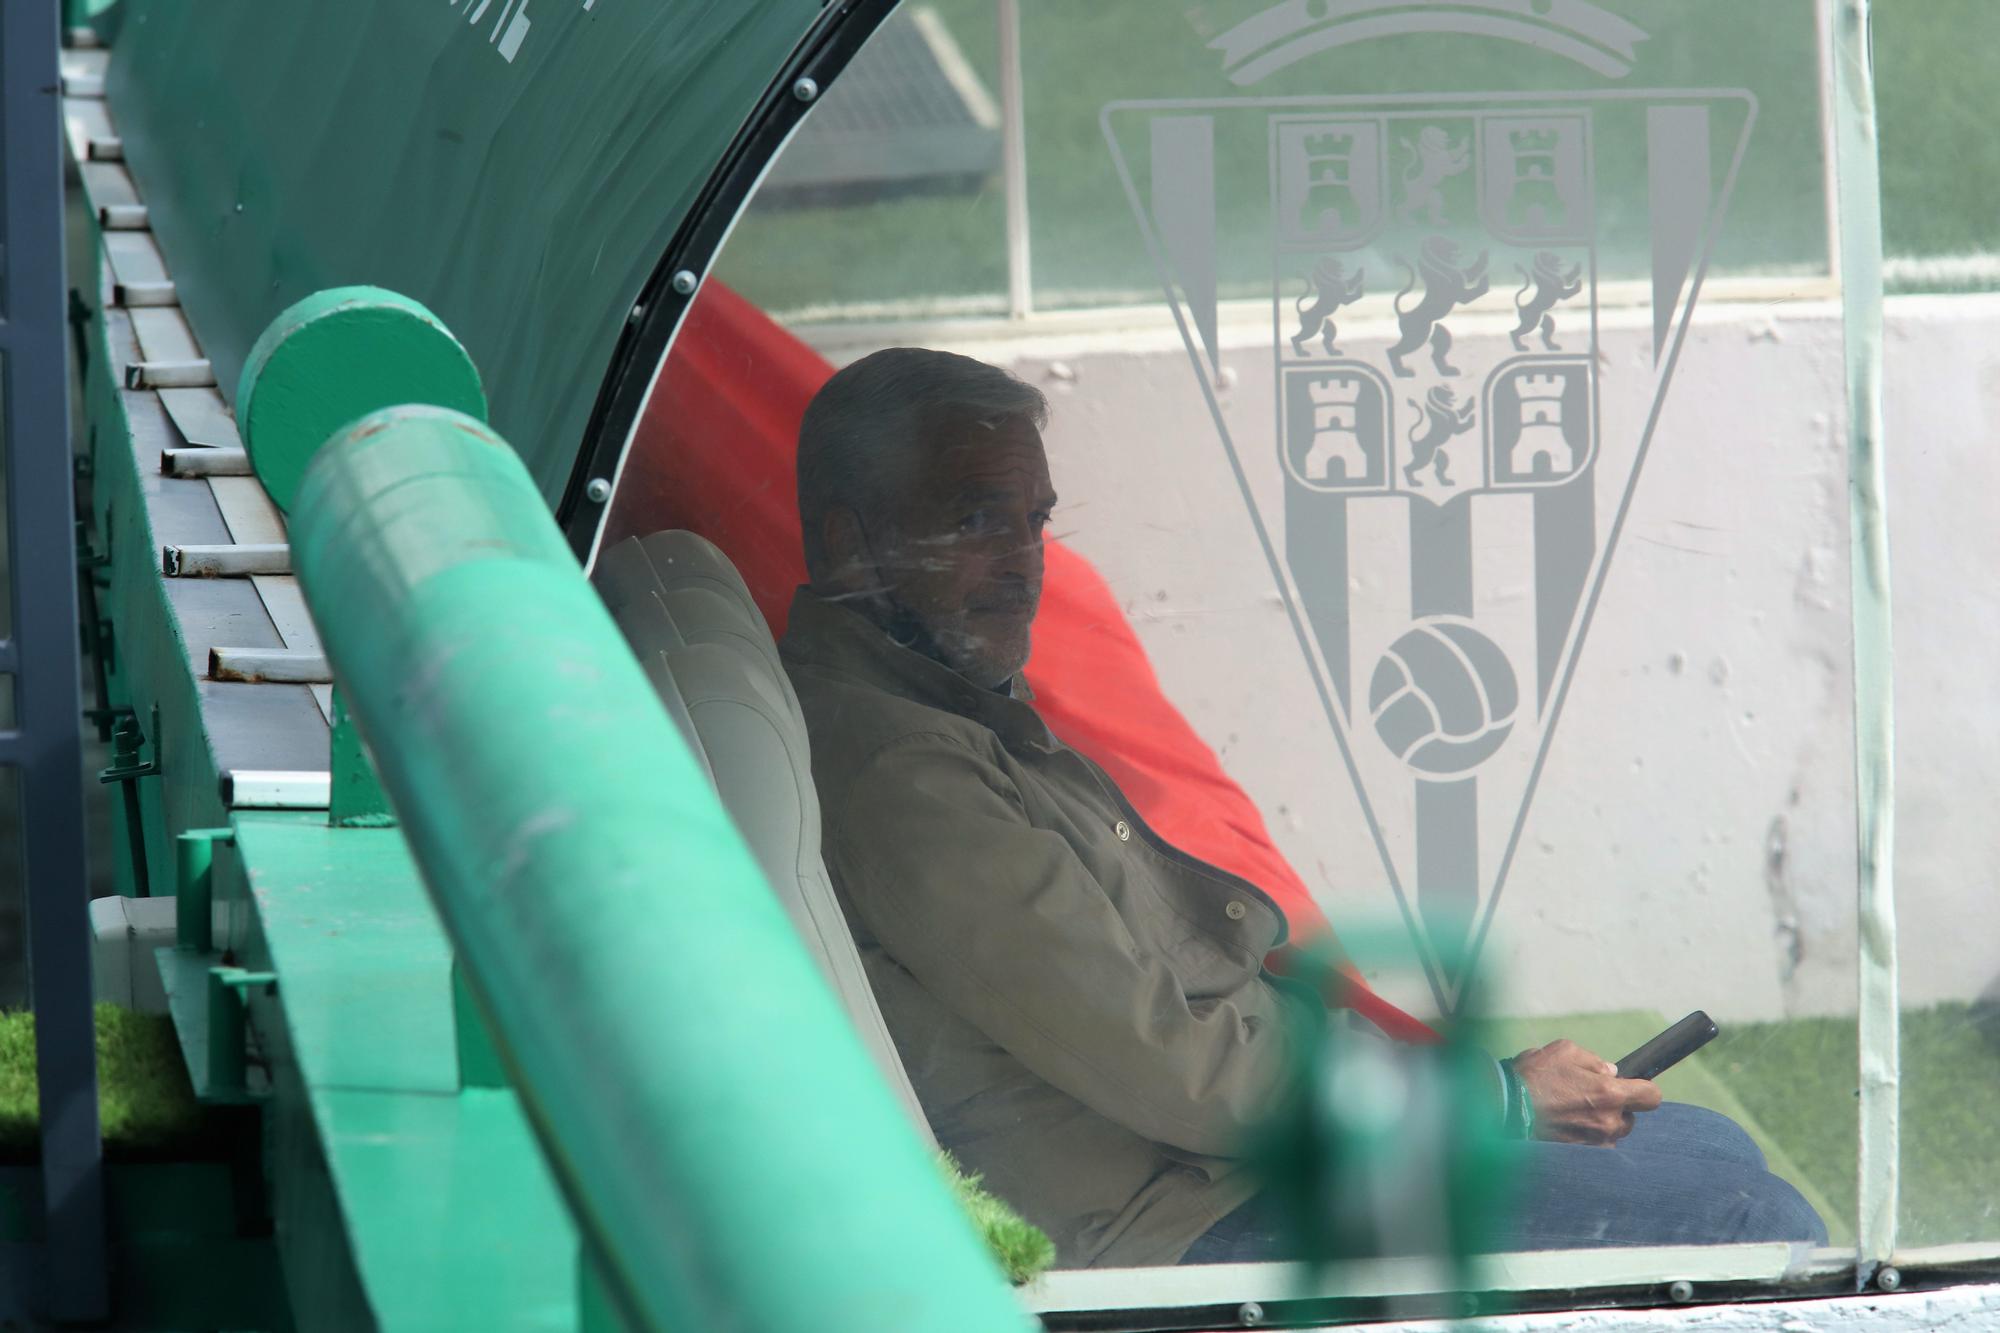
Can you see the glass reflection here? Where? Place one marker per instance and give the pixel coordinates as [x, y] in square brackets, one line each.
[1422, 560]
[887, 202]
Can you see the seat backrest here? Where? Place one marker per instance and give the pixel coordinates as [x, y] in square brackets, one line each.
[689, 617]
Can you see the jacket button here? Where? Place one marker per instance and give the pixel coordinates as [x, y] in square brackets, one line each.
[1123, 830]
[1235, 911]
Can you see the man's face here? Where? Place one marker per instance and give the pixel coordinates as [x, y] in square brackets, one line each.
[963, 556]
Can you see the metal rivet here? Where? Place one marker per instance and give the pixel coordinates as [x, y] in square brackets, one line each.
[599, 490]
[685, 281]
[1681, 1292]
[1123, 830]
[805, 90]
[638, 313]
[1235, 911]
[1887, 1278]
[1250, 1314]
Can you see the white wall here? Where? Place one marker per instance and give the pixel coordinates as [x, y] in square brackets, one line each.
[1692, 842]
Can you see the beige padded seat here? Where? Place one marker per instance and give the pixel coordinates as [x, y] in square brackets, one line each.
[704, 645]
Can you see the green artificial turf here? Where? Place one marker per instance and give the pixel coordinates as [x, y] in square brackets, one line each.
[1022, 1249]
[1931, 66]
[1794, 1086]
[144, 1100]
[1950, 1162]
[1939, 155]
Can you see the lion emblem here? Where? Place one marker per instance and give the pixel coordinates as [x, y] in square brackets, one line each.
[1448, 284]
[1552, 286]
[1439, 417]
[1328, 290]
[1434, 159]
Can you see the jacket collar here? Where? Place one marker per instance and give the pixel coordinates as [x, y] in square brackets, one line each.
[828, 634]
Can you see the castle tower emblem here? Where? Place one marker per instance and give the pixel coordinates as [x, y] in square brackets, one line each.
[1334, 440]
[1539, 413]
[1330, 183]
[1536, 187]
[1543, 449]
[1336, 430]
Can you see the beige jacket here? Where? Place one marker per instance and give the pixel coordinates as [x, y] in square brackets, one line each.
[1081, 1006]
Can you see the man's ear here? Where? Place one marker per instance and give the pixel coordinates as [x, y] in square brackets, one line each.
[850, 563]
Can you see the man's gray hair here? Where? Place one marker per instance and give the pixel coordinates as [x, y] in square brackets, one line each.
[866, 426]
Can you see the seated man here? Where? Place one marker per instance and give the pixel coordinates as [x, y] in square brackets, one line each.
[1083, 1008]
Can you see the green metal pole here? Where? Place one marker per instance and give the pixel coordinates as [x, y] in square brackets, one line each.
[713, 1118]
[194, 901]
[226, 1032]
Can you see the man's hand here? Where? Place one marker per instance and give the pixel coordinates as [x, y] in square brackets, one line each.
[1579, 1097]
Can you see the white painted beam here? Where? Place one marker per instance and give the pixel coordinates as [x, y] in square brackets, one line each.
[274, 789]
[204, 461]
[225, 560]
[124, 217]
[144, 294]
[169, 374]
[273, 666]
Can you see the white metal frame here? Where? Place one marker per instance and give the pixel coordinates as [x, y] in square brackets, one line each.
[1643, 1275]
[1014, 162]
[1879, 1019]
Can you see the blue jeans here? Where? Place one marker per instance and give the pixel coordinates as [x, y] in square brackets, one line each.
[1683, 1176]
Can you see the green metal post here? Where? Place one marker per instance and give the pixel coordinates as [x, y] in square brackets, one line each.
[725, 1143]
[226, 1032]
[228, 1028]
[194, 889]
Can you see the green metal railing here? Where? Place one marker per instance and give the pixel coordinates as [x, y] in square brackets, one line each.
[732, 1158]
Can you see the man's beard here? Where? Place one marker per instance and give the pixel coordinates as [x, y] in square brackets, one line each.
[987, 664]
[987, 659]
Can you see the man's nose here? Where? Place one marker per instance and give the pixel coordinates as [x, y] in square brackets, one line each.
[1022, 554]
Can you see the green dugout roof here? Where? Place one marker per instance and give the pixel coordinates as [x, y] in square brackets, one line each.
[534, 171]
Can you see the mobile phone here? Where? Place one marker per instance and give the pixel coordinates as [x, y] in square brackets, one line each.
[1668, 1049]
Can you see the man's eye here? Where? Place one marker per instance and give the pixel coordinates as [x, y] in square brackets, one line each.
[979, 520]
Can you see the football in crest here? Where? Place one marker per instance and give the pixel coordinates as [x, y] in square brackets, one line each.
[1443, 698]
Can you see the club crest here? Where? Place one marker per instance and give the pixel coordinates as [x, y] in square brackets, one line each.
[1476, 218]
[1443, 419]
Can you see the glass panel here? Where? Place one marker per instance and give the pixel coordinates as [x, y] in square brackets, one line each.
[1933, 64]
[888, 201]
[1421, 565]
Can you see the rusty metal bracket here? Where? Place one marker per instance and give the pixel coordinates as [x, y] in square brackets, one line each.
[127, 739]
